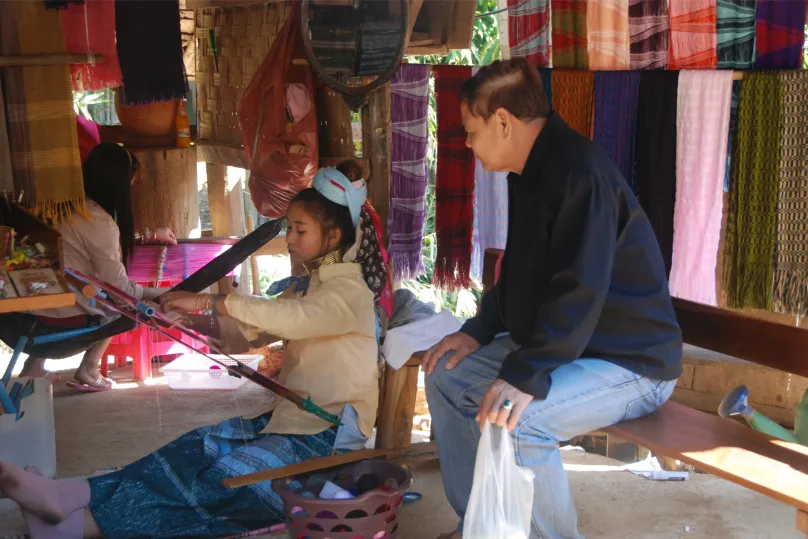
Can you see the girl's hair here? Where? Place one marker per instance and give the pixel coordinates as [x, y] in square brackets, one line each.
[329, 214]
[352, 170]
[109, 171]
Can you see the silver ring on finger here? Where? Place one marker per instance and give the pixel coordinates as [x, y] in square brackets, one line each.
[507, 405]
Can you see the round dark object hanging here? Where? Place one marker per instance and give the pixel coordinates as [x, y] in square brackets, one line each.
[354, 46]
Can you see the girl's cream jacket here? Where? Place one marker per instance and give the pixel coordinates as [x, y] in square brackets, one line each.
[330, 346]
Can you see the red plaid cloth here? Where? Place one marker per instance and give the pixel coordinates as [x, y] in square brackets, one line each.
[454, 189]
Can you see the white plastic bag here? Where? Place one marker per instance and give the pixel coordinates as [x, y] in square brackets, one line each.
[502, 493]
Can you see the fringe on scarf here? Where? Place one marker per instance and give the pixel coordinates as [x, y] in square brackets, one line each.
[791, 259]
[790, 291]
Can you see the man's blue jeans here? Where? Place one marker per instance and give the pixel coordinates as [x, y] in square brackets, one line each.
[586, 395]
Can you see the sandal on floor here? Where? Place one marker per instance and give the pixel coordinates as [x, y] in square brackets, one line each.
[101, 384]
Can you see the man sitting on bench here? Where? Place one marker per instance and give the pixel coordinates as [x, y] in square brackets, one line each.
[580, 332]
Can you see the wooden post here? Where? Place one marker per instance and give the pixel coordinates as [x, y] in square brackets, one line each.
[335, 138]
[802, 522]
[399, 389]
[6, 175]
[165, 192]
[227, 216]
[256, 280]
[226, 203]
[378, 135]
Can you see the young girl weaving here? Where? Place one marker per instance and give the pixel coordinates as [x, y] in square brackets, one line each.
[330, 355]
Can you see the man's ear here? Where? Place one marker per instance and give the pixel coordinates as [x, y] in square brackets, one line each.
[504, 122]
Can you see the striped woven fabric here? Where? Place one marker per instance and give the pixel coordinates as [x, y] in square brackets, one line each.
[693, 39]
[454, 183]
[607, 38]
[791, 249]
[735, 33]
[529, 30]
[616, 97]
[573, 98]
[752, 214]
[780, 33]
[569, 34]
[649, 30]
[41, 122]
[409, 104]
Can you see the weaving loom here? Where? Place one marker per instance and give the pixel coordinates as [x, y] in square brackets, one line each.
[203, 273]
[155, 263]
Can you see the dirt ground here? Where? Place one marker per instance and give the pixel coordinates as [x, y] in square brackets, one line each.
[101, 430]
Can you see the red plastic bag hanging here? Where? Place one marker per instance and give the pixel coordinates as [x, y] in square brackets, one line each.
[279, 124]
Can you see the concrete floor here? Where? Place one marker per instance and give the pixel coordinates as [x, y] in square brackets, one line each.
[101, 430]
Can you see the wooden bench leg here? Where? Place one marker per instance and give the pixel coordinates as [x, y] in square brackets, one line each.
[802, 522]
[397, 407]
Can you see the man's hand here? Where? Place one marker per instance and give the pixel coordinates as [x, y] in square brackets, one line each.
[461, 344]
[493, 409]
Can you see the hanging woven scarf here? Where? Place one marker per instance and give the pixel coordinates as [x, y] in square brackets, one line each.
[150, 50]
[649, 29]
[569, 34]
[490, 215]
[607, 37]
[91, 28]
[735, 33]
[693, 40]
[454, 185]
[703, 109]
[780, 33]
[733, 131]
[41, 121]
[409, 105]
[752, 215]
[616, 97]
[791, 261]
[655, 153]
[573, 94]
[529, 30]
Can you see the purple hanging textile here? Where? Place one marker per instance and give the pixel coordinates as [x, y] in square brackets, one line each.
[780, 34]
[409, 103]
[616, 95]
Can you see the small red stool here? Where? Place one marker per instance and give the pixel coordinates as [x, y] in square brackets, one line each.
[142, 344]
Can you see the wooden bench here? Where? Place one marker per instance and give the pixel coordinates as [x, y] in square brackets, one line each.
[725, 447]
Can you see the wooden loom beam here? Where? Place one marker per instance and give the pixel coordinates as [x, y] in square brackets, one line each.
[49, 60]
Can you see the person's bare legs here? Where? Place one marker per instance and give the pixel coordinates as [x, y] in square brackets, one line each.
[34, 367]
[91, 530]
[89, 372]
[48, 499]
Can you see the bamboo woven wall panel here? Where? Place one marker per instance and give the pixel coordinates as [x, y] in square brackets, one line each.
[244, 36]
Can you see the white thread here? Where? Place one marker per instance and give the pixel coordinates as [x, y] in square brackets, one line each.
[90, 54]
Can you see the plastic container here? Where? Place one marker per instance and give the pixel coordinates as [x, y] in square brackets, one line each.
[195, 371]
[371, 515]
[31, 441]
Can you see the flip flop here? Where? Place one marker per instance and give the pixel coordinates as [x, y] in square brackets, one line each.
[78, 386]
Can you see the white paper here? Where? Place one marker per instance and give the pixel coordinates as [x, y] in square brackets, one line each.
[402, 342]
